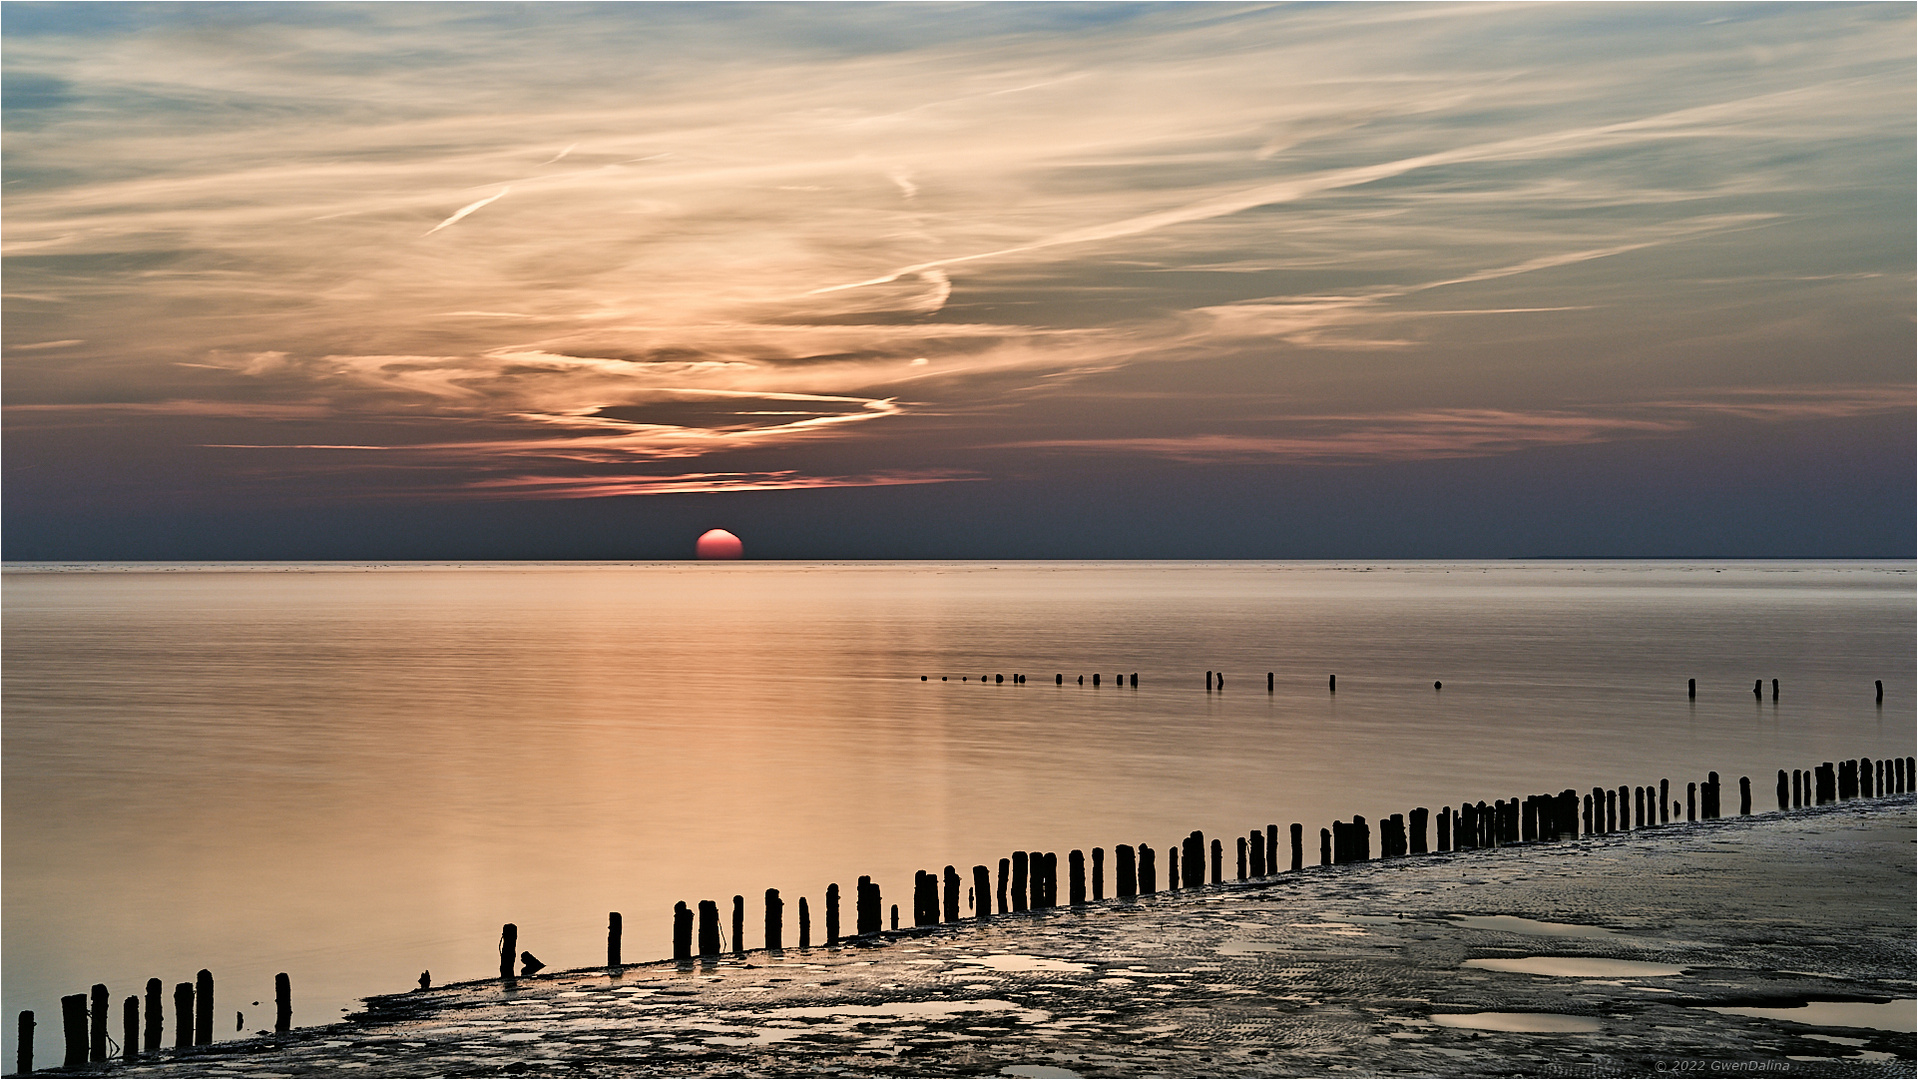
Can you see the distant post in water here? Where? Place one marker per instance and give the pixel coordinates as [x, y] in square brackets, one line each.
[1664, 801]
[1784, 792]
[682, 932]
[1445, 828]
[1005, 876]
[614, 927]
[1298, 850]
[1019, 878]
[805, 924]
[156, 1012]
[508, 949]
[1691, 802]
[1258, 854]
[1325, 847]
[203, 1007]
[708, 928]
[739, 925]
[73, 1019]
[1880, 683]
[832, 914]
[1242, 858]
[950, 878]
[1098, 873]
[1416, 841]
[981, 892]
[1076, 877]
[775, 922]
[1125, 871]
[1691, 688]
[282, 1003]
[1332, 683]
[1148, 870]
[1774, 689]
[1218, 862]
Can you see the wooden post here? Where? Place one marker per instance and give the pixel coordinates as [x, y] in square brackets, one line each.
[1125, 872]
[1758, 689]
[1059, 680]
[156, 1012]
[282, 1003]
[1298, 850]
[1218, 863]
[182, 1014]
[682, 932]
[23, 1044]
[1148, 870]
[1005, 875]
[739, 925]
[614, 926]
[1774, 689]
[1194, 860]
[1880, 683]
[1664, 801]
[1711, 795]
[1325, 847]
[1268, 682]
[1744, 795]
[1611, 810]
[1208, 682]
[805, 924]
[1271, 849]
[708, 928]
[97, 1024]
[1019, 876]
[951, 876]
[130, 1028]
[1691, 802]
[1095, 678]
[1691, 688]
[1172, 878]
[1420, 816]
[1445, 828]
[981, 892]
[832, 914]
[925, 909]
[1332, 683]
[1638, 807]
[1258, 854]
[1076, 883]
[508, 949]
[1052, 879]
[1784, 795]
[203, 1007]
[1098, 873]
[73, 1018]
[775, 922]
[866, 915]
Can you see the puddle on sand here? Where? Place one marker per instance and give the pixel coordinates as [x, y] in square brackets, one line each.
[1512, 924]
[1576, 967]
[1518, 1021]
[917, 1010]
[1899, 1015]
[1039, 1072]
[1015, 962]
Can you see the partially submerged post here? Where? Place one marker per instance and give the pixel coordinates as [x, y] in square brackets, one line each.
[508, 949]
[1148, 870]
[682, 932]
[1125, 872]
[1258, 854]
[1691, 802]
[282, 1003]
[775, 922]
[1325, 847]
[805, 924]
[1691, 688]
[615, 926]
[832, 914]
[1218, 862]
[739, 925]
[1076, 886]
[1098, 873]
[1242, 858]
[1298, 847]
[1019, 876]
[203, 1007]
[1784, 794]
[981, 892]
[1416, 841]
[950, 876]
[708, 928]
[1744, 795]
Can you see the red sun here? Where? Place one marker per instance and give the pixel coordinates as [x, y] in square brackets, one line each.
[719, 544]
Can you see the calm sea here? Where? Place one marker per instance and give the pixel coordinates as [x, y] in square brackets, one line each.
[353, 773]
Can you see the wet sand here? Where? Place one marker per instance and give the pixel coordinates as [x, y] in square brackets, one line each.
[1687, 950]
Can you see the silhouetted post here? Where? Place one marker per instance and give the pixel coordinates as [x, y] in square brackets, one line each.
[1095, 678]
[97, 1024]
[1243, 852]
[1758, 689]
[925, 899]
[73, 1018]
[1019, 881]
[1125, 872]
[1098, 873]
[23, 1044]
[282, 1003]
[1341, 842]
[1005, 877]
[1711, 795]
[708, 928]
[508, 949]
[1298, 849]
[739, 925]
[1774, 689]
[614, 927]
[1664, 801]
[1744, 795]
[1059, 680]
[203, 1007]
[1076, 883]
[1611, 810]
[1797, 788]
[981, 892]
[1416, 842]
[156, 1012]
[868, 910]
[1880, 684]
[1194, 876]
[1052, 879]
[951, 877]
[682, 932]
[1586, 818]
[895, 916]
[805, 924]
[1218, 863]
[130, 1028]
[1332, 683]
[1528, 825]
[1172, 878]
[1258, 854]
[1784, 795]
[1691, 802]
[1268, 682]
[1148, 870]
[1691, 688]
[775, 922]
[1445, 828]
[1638, 807]
[182, 1014]
[832, 914]
[1325, 847]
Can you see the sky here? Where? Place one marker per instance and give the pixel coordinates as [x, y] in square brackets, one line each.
[1050, 280]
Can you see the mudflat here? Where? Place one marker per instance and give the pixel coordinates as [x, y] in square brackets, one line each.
[1780, 944]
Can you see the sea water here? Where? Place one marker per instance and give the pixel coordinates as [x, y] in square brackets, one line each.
[356, 773]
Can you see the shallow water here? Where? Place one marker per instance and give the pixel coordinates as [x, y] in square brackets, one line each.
[1558, 1023]
[354, 773]
[1899, 1015]
[1576, 967]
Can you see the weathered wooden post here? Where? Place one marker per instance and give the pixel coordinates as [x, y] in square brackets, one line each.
[1744, 795]
[832, 914]
[1268, 682]
[1332, 683]
[97, 1023]
[1098, 873]
[1258, 854]
[130, 1028]
[682, 932]
[1076, 884]
[1638, 807]
[1125, 872]
[1243, 852]
[1691, 802]
[708, 928]
[1208, 682]
[895, 916]
[951, 877]
[924, 907]
[1758, 689]
[1774, 689]
[203, 1007]
[73, 1018]
[156, 1012]
[1194, 869]
[1691, 688]
[1218, 862]
[182, 1014]
[1271, 849]
[1341, 842]
[1325, 847]
[23, 1044]
[1445, 828]
[282, 1003]
[1711, 796]
[1095, 678]
[981, 892]
[1784, 793]
[805, 924]
[1611, 810]
[1052, 879]
[1880, 683]
[615, 926]
[1148, 870]
[1019, 869]
[1298, 845]
[1420, 816]
[739, 925]
[775, 922]
[508, 949]
[869, 902]
[1172, 877]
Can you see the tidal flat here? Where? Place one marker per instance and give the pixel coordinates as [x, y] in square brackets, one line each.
[1780, 944]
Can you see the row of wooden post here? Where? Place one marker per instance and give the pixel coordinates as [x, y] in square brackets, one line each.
[1215, 680]
[84, 1020]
